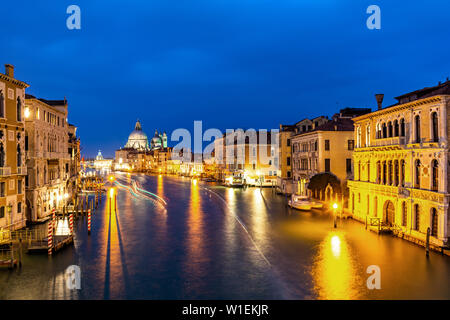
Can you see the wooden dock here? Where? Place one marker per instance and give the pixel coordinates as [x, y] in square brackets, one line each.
[59, 242]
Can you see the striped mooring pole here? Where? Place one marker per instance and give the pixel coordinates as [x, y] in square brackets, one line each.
[71, 224]
[89, 221]
[54, 218]
[50, 238]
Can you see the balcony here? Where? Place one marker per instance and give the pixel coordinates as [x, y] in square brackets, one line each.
[22, 171]
[5, 171]
[389, 143]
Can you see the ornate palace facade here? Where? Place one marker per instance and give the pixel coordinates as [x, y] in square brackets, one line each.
[401, 165]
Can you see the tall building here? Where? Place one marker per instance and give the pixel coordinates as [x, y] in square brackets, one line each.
[75, 153]
[326, 148]
[284, 176]
[402, 166]
[48, 184]
[12, 154]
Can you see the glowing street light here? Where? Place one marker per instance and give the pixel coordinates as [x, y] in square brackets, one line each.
[335, 206]
[111, 178]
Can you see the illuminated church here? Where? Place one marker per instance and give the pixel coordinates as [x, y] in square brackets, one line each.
[140, 154]
[138, 140]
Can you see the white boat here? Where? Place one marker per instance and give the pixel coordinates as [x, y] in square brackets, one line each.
[300, 202]
[316, 205]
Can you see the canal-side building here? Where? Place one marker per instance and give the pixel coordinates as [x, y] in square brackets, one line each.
[74, 152]
[13, 169]
[49, 181]
[284, 176]
[102, 164]
[401, 165]
[140, 155]
[327, 148]
[253, 157]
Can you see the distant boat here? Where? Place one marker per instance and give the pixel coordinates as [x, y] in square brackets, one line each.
[234, 182]
[300, 202]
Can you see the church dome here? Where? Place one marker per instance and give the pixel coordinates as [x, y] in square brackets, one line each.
[137, 138]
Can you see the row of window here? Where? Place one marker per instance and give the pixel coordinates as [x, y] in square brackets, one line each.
[18, 107]
[389, 214]
[392, 172]
[312, 146]
[397, 128]
[3, 209]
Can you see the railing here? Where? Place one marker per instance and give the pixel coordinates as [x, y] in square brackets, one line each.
[5, 171]
[22, 171]
[392, 141]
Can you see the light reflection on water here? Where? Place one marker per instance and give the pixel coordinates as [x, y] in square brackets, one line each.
[334, 274]
[195, 247]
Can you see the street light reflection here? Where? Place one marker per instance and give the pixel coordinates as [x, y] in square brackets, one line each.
[334, 271]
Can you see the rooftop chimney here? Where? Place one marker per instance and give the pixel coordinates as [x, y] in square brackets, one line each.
[9, 70]
[379, 97]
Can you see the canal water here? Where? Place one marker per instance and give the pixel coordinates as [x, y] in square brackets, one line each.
[184, 239]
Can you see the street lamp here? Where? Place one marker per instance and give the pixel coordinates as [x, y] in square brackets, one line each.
[335, 207]
[9, 209]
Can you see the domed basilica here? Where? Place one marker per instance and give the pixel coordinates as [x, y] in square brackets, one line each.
[138, 140]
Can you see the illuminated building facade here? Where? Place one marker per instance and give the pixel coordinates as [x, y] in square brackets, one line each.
[254, 158]
[327, 148]
[140, 155]
[13, 169]
[401, 166]
[285, 173]
[101, 163]
[49, 182]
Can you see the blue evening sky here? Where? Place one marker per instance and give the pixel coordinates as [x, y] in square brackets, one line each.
[230, 63]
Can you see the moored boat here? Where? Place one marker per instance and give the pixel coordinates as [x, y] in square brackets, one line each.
[300, 202]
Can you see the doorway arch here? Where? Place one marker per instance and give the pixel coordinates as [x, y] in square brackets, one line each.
[389, 213]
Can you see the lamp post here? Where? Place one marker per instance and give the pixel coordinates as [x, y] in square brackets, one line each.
[335, 207]
[9, 208]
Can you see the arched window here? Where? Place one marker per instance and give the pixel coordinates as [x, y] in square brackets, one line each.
[2, 105]
[434, 126]
[368, 136]
[417, 128]
[416, 217]
[358, 137]
[368, 170]
[396, 174]
[378, 172]
[390, 172]
[402, 127]
[384, 130]
[19, 156]
[359, 170]
[402, 173]
[435, 175]
[390, 133]
[404, 213]
[19, 109]
[396, 128]
[378, 131]
[434, 222]
[2, 155]
[417, 174]
[384, 172]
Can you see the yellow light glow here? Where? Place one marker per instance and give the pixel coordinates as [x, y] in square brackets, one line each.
[194, 181]
[111, 178]
[335, 206]
[334, 270]
[66, 195]
[27, 112]
[111, 192]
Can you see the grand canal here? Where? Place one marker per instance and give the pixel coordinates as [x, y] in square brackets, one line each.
[212, 242]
